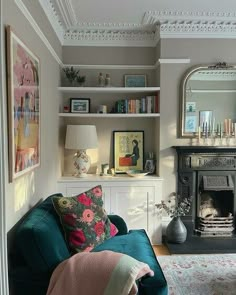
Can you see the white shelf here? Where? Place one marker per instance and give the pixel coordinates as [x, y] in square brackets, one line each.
[110, 115]
[108, 89]
[118, 177]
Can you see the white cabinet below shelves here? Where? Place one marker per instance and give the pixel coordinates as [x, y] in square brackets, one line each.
[132, 199]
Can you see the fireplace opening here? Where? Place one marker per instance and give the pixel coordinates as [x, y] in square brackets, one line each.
[215, 206]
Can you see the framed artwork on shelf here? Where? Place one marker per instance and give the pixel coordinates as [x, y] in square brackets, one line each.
[135, 80]
[23, 83]
[80, 105]
[128, 150]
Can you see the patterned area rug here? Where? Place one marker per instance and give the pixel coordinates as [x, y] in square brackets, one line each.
[200, 274]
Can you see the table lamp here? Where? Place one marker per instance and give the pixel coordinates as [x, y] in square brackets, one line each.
[81, 138]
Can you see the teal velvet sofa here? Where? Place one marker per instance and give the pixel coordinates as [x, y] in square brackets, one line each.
[40, 246]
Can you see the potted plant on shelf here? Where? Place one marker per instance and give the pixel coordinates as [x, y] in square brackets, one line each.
[73, 77]
[176, 207]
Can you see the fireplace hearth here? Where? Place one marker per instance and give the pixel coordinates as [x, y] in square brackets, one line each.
[208, 175]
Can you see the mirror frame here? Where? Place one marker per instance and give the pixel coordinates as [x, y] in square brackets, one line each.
[186, 77]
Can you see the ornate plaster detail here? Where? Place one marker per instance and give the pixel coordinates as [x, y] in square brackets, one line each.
[67, 12]
[110, 37]
[53, 18]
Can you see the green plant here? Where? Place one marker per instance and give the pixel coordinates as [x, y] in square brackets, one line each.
[81, 79]
[176, 206]
[71, 73]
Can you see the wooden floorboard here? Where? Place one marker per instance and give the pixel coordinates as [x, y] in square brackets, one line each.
[161, 250]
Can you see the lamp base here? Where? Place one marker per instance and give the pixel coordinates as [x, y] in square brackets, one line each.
[81, 163]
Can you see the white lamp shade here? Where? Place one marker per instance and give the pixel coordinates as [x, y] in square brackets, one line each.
[81, 137]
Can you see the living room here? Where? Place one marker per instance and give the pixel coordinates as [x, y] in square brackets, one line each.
[164, 60]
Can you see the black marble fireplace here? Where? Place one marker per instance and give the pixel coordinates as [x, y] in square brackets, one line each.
[208, 175]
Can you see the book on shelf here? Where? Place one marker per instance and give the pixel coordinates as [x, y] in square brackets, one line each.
[147, 104]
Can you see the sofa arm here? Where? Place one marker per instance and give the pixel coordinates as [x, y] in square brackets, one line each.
[119, 223]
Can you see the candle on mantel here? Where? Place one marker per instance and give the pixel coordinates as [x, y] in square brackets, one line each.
[225, 126]
[213, 126]
[229, 126]
[199, 133]
[235, 130]
[206, 130]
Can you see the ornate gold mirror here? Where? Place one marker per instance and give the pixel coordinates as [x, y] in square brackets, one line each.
[208, 101]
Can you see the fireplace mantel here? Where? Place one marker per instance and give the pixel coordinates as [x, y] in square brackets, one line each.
[204, 149]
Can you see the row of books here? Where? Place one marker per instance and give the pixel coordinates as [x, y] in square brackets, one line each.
[148, 104]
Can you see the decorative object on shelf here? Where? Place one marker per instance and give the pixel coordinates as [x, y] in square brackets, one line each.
[135, 80]
[66, 109]
[102, 109]
[108, 81]
[72, 75]
[150, 164]
[23, 107]
[128, 150]
[136, 173]
[176, 207]
[81, 138]
[104, 169]
[80, 105]
[81, 80]
[101, 80]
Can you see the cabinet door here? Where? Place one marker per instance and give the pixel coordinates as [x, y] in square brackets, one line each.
[72, 191]
[135, 205]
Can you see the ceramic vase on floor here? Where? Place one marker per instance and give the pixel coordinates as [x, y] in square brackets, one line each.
[176, 231]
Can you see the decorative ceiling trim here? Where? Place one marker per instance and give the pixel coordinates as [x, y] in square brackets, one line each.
[110, 38]
[53, 18]
[187, 24]
[201, 29]
[37, 29]
[67, 12]
[155, 25]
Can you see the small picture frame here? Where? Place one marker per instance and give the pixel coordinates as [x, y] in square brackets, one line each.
[80, 105]
[135, 80]
[128, 150]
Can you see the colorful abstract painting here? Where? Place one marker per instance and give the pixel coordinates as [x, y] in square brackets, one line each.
[23, 107]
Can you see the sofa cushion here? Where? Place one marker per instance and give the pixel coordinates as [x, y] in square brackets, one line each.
[137, 245]
[40, 239]
[84, 220]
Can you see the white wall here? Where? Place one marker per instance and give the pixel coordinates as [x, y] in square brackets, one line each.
[27, 190]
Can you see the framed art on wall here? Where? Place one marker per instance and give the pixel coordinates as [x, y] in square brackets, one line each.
[80, 105]
[135, 81]
[23, 107]
[128, 150]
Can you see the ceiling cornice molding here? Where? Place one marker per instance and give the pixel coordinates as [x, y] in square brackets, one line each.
[187, 24]
[110, 38]
[155, 25]
[53, 18]
[67, 12]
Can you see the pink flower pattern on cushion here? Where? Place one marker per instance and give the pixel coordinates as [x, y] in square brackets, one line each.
[83, 199]
[84, 220]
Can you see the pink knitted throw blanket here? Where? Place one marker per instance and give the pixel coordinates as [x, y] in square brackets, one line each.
[98, 273]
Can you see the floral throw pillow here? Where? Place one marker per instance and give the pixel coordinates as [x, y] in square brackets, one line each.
[84, 220]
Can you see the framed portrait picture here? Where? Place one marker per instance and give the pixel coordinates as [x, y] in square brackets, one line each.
[23, 79]
[128, 150]
[80, 105]
[135, 80]
[190, 123]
